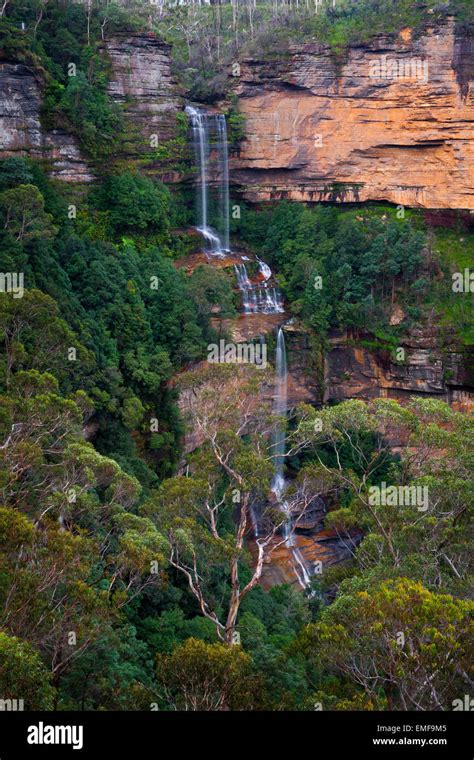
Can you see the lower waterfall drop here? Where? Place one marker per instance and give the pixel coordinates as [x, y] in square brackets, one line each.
[278, 447]
[279, 408]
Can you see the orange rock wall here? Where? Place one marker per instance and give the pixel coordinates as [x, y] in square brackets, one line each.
[314, 132]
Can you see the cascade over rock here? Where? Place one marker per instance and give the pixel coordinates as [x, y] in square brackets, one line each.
[257, 296]
[255, 299]
[277, 451]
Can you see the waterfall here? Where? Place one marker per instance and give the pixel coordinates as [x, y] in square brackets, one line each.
[279, 433]
[279, 408]
[278, 454]
[257, 297]
[304, 578]
[265, 270]
[242, 277]
[224, 183]
[261, 300]
[206, 126]
[254, 521]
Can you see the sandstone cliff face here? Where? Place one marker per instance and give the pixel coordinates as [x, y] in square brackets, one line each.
[21, 132]
[351, 370]
[316, 133]
[356, 372]
[142, 84]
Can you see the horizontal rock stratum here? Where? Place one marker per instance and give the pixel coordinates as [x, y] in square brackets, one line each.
[394, 123]
[140, 83]
[21, 131]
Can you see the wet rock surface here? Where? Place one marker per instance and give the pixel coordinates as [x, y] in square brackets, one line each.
[323, 547]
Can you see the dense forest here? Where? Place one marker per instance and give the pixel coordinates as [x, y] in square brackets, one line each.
[130, 564]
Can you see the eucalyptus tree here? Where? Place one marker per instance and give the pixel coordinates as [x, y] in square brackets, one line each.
[406, 471]
[223, 503]
[402, 646]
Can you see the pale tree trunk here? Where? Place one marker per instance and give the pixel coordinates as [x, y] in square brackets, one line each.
[217, 17]
[105, 21]
[39, 16]
[235, 597]
[89, 13]
[235, 21]
[250, 15]
[226, 631]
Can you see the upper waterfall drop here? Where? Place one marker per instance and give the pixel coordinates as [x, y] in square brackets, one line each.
[206, 126]
[210, 136]
[265, 270]
[223, 150]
